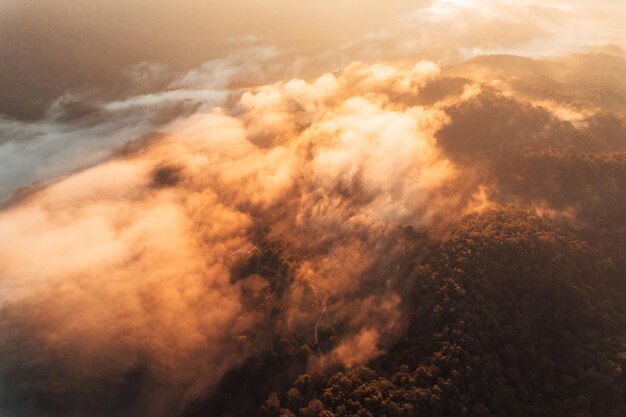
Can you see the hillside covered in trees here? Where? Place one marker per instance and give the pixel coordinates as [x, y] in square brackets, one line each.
[509, 315]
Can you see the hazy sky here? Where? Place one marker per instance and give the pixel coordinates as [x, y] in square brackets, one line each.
[49, 47]
[304, 22]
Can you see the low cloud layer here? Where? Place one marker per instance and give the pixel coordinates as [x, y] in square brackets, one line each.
[126, 268]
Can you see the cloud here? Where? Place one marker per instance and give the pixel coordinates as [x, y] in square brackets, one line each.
[81, 130]
[126, 267]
